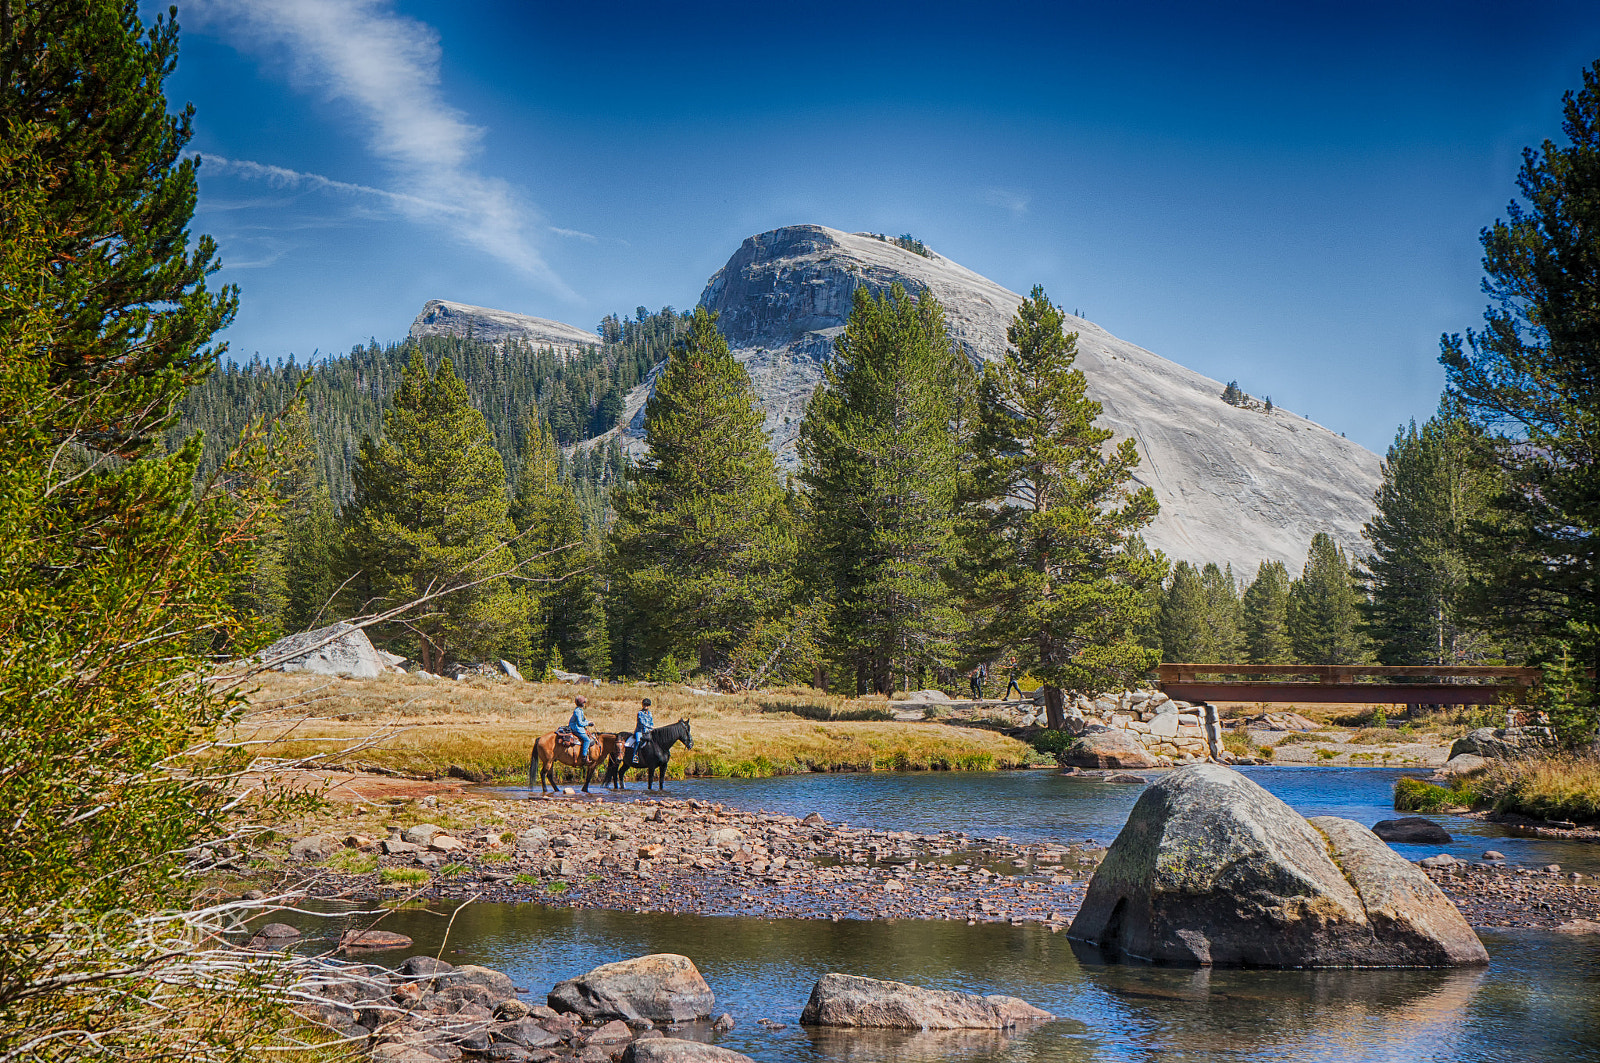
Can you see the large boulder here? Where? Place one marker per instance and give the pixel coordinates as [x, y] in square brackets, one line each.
[1110, 748]
[662, 988]
[847, 1000]
[338, 649]
[1212, 869]
[1417, 830]
[1507, 743]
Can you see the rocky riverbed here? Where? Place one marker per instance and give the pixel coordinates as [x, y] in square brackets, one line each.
[695, 857]
[669, 855]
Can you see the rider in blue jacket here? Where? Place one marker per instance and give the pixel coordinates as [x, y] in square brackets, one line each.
[580, 726]
[643, 725]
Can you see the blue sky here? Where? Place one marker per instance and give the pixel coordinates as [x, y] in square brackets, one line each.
[1286, 195]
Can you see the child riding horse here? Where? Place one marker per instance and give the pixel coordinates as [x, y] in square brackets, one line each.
[653, 754]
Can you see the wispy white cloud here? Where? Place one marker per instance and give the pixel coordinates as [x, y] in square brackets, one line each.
[283, 177]
[1009, 199]
[576, 234]
[385, 67]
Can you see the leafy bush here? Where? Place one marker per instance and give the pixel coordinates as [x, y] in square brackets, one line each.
[1053, 743]
[403, 876]
[1415, 795]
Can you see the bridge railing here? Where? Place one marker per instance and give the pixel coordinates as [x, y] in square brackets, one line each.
[1368, 684]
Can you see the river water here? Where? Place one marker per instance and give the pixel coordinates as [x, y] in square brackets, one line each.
[1538, 1000]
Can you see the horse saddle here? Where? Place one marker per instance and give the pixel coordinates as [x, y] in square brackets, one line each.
[566, 736]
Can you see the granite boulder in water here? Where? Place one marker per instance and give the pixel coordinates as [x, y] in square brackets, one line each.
[1212, 869]
[847, 1000]
[662, 988]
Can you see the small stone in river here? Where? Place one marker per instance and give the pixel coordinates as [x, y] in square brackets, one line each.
[1490, 854]
[1552, 868]
[373, 939]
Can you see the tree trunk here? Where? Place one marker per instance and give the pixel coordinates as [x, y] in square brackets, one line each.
[819, 678]
[1055, 712]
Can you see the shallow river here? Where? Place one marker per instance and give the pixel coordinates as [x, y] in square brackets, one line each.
[1538, 1000]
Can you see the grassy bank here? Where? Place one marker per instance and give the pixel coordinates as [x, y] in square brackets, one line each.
[1551, 788]
[487, 726]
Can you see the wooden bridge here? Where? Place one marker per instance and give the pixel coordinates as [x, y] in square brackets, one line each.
[1339, 683]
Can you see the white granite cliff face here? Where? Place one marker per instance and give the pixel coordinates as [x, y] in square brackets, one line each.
[1235, 485]
[440, 317]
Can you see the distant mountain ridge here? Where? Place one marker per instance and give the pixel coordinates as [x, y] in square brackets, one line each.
[441, 317]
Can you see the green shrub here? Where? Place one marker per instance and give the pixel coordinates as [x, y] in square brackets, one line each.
[402, 876]
[1053, 743]
[1415, 795]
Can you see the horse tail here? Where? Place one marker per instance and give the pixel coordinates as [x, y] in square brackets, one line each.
[533, 764]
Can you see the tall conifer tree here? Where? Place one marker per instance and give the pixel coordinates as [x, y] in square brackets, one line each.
[1265, 615]
[878, 462]
[1531, 381]
[1435, 488]
[1324, 609]
[430, 513]
[559, 565]
[1185, 617]
[1222, 614]
[1050, 512]
[702, 549]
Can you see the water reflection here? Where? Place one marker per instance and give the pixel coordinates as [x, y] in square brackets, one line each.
[1539, 1000]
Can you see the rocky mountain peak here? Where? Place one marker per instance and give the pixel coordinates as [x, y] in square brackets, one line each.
[1236, 484]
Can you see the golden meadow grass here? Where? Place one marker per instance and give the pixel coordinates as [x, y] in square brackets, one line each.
[489, 724]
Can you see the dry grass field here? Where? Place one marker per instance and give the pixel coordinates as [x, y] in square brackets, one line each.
[424, 726]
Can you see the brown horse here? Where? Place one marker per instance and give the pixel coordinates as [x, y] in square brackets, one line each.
[548, 752]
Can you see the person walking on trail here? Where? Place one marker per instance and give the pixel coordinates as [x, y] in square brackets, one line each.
[1011, 668]
[979, 674]
[643, 725]
[579, 724]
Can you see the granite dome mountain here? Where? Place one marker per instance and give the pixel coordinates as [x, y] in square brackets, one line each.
[1236, 484]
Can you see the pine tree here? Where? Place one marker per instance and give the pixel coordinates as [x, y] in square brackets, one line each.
[878, 464]
[430, 513]
[1531, 383]
[559, 566]
[1265, 615]
[1049, 516]
[1226, 644]
[116, 574]
[1185, 617]
[1435, 488]
[1324, 608]
[701, 549]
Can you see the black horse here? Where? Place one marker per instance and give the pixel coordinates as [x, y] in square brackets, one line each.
[653, 754]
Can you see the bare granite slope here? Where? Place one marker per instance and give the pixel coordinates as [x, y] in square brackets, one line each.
[441, 317]
[1235, 485]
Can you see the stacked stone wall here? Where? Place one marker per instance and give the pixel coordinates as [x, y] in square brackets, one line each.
[1175, 732]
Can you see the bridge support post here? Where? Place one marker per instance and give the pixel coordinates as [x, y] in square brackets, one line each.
[1213, 727]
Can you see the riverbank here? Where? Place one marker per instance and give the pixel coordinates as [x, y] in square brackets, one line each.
[1557, 792]
[482, 728]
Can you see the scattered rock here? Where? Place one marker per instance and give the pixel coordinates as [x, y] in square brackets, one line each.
[507, 668]
[848, 1000]
[273, 936]
[1412, 829]
[1111, 748]
[674, 1050]
[1503, 742]
[662, 988]
[1212, 869]
[315, 849]
[1461, 763]
[1139, 780]
[1442, 860]
[815, 820]
[615, 1032]
[722, 1023]
[372, 940]
[1579, 926]
[421, 834]
[1493, 854]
